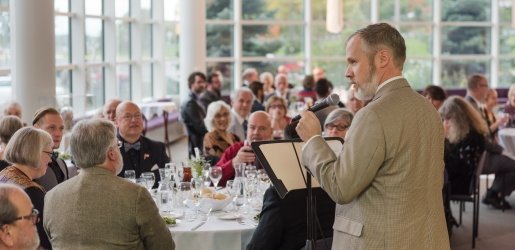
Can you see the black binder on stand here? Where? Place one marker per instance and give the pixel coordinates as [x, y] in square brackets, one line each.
[281, 161]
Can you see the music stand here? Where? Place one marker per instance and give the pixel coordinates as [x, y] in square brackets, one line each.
[281, 161]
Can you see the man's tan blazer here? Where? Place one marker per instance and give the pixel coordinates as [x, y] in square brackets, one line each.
[388, 179]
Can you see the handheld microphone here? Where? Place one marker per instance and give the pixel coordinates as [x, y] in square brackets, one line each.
[332, 99]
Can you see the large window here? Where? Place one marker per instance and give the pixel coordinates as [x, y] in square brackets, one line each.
[130, 49]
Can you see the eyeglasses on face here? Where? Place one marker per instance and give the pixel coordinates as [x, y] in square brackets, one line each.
[32, 217]
[337, 127]
[50, 154]
[129, 117]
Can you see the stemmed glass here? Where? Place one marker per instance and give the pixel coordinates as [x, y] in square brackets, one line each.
[149, 179]
[215, 174]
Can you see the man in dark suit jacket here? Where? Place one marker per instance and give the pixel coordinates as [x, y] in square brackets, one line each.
[283, 222]
[213, 92]
[477, 88]
[50, 120]
[139, 153]
[193, 112]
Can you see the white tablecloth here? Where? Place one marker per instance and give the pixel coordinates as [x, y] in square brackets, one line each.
[507, 141]
[215, 234]
[153, 109]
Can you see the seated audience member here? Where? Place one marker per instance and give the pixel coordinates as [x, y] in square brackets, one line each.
[282, 222]
[307, 93]
[493, 122]
[18, 219]
[96, 209]
[139, 152]
[213, 91]
[50, 120]
[435, 94]
[218, 138]
[67, 115]
[318, 73]
[260, 129]
[281, 88]
[8, 126]
[268, 82]
[276, 108]
[353, 103]
[109, 110]
[257, 89]
[509, 108]
[12, 108]
[249, 75]
[29, 152]
[323, 90]
[465, 132]
[241, 101]
[337, 123]
[193, 112]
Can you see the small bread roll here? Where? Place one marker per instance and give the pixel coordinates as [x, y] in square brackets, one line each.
[220, 196]
[206, 192]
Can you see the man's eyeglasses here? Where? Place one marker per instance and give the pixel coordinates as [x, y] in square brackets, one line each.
[33, 217]
[129, 117]
[337, 127]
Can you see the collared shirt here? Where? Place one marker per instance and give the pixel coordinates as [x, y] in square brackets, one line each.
[238, 117]
[388, 81]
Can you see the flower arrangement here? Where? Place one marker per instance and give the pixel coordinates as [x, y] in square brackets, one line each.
[197, 165]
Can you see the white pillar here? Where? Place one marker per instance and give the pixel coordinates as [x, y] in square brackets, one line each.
[33, 53]
[192, 41]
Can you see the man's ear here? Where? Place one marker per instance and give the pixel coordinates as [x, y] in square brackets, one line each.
[6, 237]
[111, 154]
[383, 58]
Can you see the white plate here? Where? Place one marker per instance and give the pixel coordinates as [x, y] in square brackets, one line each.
[228, 216]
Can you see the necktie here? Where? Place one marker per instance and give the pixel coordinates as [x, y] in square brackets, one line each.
[244, 124]
[127, 146]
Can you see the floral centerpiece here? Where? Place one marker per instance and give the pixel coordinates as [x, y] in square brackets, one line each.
[197, 165]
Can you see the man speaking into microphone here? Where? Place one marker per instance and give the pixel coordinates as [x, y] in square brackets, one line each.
[387, 181]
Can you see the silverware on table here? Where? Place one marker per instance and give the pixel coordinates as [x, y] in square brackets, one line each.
[203, 221]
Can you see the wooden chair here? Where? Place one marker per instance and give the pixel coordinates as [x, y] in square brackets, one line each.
[473, 197]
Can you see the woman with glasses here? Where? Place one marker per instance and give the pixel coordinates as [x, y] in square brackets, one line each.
[29, 152]
[217, 121]
[337, 123]
[277, 109]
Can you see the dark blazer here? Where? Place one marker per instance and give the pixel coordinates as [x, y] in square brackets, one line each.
[210, 96]
[193, 117]
[150, 153]
[257, 106]
[283, 223]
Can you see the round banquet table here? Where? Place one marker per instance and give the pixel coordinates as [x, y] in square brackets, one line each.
[507, 141]
[214, 234]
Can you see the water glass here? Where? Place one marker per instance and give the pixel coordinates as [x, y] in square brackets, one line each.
[130, 175]
[235, 190]
[149, 178]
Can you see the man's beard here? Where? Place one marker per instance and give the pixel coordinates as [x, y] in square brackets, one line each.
[366, 91]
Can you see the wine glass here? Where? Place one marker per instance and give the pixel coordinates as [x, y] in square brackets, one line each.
[215, 174]
[130, 175]
[149, 179]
